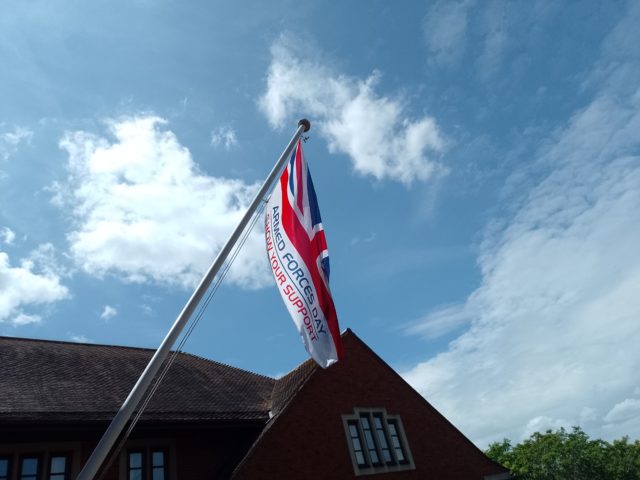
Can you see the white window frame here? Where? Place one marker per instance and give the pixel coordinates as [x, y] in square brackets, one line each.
[381, 467]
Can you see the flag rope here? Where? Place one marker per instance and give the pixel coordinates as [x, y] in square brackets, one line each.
[185, 336]
[137, 393]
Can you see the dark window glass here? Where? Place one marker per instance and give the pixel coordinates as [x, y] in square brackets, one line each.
[368, 435]
[395, 441]
[157, 465]
[58, 467]
[382, 439]
[356, 443]
[29, 468]
[5, 468]
[377, 442]
[136, 466]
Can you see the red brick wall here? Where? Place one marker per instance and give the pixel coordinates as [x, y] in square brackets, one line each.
[308, 439]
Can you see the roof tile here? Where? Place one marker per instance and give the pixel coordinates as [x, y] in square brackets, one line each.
[62, 380]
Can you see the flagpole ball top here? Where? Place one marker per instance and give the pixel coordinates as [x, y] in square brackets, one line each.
[306, 124]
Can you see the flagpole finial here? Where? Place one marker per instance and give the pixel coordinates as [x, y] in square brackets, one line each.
[306, 123]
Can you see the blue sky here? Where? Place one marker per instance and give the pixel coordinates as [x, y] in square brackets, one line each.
[477, 166]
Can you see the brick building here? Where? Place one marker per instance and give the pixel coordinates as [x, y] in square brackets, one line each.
[210, 421]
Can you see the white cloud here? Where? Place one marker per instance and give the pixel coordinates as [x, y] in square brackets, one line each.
[445, 28]
[143, 210]
[9, 140]
[496, 19]
[224, 136]
[628, 409]
[440, 322]
[554, 334]
[146, 309]
[495, 46]
[375, 131]
[108, 312]
[26, 286]
[368, 239]
[25, 319]
[79, 339]
[44, 257]
[7, 235]
[19, 134]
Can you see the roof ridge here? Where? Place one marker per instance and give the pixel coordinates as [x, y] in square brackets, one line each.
[71, 342]
[128, 347]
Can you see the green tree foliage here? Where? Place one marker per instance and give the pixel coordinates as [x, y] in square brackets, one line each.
[563, 455]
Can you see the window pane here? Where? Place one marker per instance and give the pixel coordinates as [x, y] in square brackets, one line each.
[157, 459]
[386, 455]
[59, 476]
[158, 473]
[365, 422]
[369, 437]
[356, 444]
[382, 439]
[135, 474]
[58, 464]
[395, 441]
[29, 466]
[4, 467]
[135, 460]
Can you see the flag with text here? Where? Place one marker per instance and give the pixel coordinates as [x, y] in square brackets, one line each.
[299, 259]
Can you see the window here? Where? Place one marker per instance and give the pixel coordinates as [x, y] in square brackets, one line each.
[38, 462]
[376, 441]
[149, 464]
[136, 466]
[29, 467]
[157, 465]
[356, 444]
[5, 468]
[381, 434]
[395, 441]
[58, 467]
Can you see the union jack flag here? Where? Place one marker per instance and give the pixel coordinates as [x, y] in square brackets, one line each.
[299, 259]
[303, 196]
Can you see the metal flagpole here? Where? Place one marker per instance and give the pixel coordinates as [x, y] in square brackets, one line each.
[126, 410]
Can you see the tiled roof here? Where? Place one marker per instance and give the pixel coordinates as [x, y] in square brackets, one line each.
[287, 386]
[58, 381]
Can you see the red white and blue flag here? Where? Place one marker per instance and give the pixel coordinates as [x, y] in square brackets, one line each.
[299, 259]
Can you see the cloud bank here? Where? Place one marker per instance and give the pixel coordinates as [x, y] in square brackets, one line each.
[143, 211]
[376, 131]
[555, 322]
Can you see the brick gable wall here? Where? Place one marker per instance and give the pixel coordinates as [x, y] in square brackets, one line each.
[307, 440]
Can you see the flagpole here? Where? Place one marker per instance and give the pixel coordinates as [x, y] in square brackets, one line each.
[118, 423]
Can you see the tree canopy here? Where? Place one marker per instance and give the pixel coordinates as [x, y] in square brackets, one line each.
[568, 455]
